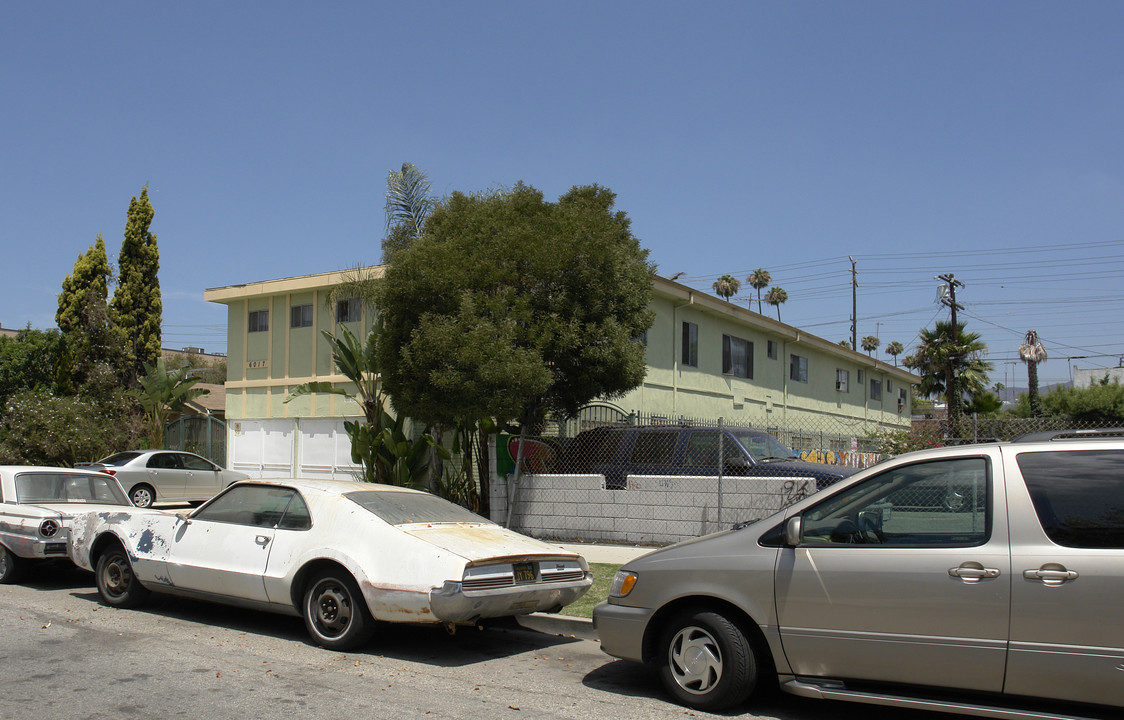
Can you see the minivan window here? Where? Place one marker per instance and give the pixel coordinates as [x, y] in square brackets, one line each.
[1077, 495]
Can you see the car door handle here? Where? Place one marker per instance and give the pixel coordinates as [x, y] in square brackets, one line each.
[1050, 575]
[262, 540]
[973, 572]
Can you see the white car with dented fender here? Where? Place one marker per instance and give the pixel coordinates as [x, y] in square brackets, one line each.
[341, 554]
[979, 579]
[36, 507]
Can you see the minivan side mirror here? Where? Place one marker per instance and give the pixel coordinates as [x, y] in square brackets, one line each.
[793, 529]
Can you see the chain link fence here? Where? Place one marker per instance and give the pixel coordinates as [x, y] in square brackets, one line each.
[650, 480]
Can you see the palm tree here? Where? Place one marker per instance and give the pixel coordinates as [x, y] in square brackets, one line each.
[894, 349]
[727, 286]
[408, 205]
[759, 279]
[955, 370]
[870, 343]
[1032, 352]
[162, 393]
[776, 297]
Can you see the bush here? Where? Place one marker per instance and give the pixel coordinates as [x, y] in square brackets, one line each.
[38, 428]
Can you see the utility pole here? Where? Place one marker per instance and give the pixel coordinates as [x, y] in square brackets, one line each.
[854, 305]
[952, 395]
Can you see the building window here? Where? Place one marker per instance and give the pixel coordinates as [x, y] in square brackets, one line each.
[690, 344]
[843, 380]
[737, 357]
[348, 310]
[901, 398]
[300, 316]
[772, 348]
[889, 387]
[875, 389]
[798, 368]
[860, 377]
[259, 321]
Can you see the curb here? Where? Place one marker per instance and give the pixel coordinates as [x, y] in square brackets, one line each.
[561, 625]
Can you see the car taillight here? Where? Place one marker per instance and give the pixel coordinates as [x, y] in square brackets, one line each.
[107, 471]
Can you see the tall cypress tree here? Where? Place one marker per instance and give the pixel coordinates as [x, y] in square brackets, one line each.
[83, 319]
[136, 308]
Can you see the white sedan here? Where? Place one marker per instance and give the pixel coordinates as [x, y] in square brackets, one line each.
[151, 476]
[340, 554]
[36, 505]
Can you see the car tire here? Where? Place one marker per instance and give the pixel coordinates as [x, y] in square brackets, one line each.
[11, 566]
[116, 581]
[142, 496]
[706, 661]
[335, 612]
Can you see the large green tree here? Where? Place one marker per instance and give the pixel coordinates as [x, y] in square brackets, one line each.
[514, 308]
[945, 353]
[136, 308]
[92, 351]
[1101, 403]
[28, 361]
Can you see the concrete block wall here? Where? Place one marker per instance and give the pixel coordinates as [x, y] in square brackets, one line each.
[650, 510]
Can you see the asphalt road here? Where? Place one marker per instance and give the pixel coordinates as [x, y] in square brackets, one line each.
[65, 655]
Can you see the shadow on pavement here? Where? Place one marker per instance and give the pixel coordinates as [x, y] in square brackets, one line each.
[427, 644]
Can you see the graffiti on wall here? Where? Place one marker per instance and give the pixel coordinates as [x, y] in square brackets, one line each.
[846, 459]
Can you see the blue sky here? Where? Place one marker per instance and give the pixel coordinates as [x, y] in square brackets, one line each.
[919, 138]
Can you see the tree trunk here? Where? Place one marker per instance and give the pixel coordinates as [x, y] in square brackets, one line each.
[1032, 391]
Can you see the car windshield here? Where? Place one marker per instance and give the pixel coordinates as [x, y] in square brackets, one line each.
[119, 458]
[763, 446]
[42, 487]
[404, 508]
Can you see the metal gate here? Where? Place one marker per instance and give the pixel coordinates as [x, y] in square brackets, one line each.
[200, 434]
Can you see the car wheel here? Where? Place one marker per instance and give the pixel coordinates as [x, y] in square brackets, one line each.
[117, 583]
[706, 661]
[142, 496]
[11, 566]
[335, 612]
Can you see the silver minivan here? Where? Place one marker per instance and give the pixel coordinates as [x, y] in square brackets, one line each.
[878, 590]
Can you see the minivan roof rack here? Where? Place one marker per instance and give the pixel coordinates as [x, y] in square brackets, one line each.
[1090, 434]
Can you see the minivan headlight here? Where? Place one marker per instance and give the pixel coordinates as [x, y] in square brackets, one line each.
[622, 584]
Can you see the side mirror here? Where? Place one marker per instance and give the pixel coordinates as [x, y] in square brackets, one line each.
[737, 463]
[793, 529]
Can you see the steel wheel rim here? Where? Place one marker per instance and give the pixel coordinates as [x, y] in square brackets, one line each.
[695, 660]
[117, 576]
[330, 608]
[4, 562]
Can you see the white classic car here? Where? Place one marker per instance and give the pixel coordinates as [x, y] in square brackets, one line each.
[36, 505]
[340, 554]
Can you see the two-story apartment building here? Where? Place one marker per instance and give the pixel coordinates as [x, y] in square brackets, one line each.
[707, 358]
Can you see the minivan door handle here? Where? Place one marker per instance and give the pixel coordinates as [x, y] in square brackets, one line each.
[1051, 574]
[973, 572]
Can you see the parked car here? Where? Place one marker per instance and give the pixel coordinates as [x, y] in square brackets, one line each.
[36, 505]
[341, 554]
[999, 605]
[617, 452]
[150, 476]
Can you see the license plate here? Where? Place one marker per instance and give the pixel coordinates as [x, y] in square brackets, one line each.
[524, 572]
